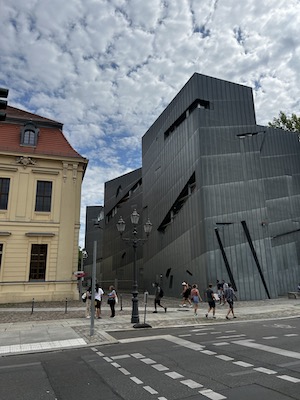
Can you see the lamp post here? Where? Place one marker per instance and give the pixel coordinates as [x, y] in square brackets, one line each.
[134, 217]
[84, 255]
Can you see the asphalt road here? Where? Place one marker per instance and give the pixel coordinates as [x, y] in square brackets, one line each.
[250, 360]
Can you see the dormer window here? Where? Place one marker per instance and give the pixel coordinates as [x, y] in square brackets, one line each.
[29, 135]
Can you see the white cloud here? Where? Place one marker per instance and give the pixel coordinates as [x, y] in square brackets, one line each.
[107, 68]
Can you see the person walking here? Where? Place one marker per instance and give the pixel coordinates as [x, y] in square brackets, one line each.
[195, 295]
[225, 286]
[229, 295]
[157, 298]
[98, 298]
[112, 300]
[211, 301]
[186, 292]
[88, 294]
[220, 291]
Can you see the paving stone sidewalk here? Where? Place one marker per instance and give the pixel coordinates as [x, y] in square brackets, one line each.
[55, 325]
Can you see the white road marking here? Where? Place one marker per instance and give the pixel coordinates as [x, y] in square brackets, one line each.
[208, 352]
[291, 334]
[275, 350]
[230, 337]
[191, 384]
[160, 367]
[265, 370]
[99, 353]
[150, 390]
[242, 364]
[221, 344]
[170, 338]
[120, 357]
[270, 337]
[136, 380]
[116, 365]
[211, 394]
[161, 398]
[137, 355]
[124, 371]
[107, 359]
[225, 358]
[174, 375]
[148, 361]
[186, 335]
[289, 378]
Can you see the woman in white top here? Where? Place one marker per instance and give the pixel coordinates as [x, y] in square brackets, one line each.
[98, 298]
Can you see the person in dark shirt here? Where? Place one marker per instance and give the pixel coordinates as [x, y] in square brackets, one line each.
[211, 301]
[229, 296]
[158, 295]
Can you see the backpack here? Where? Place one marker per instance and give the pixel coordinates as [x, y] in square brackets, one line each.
[161, 293]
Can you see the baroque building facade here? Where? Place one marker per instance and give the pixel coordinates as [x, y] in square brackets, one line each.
[40, 189]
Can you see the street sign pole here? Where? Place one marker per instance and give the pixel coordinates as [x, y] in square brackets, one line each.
[93, 288]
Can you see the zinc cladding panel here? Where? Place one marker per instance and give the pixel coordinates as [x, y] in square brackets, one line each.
[237, 110]
[125, 182]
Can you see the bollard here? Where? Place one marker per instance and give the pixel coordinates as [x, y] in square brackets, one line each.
[66, 306]
[121, 302]
[32, 306]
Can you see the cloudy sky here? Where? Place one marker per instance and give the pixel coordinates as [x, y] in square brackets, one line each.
[106, 69]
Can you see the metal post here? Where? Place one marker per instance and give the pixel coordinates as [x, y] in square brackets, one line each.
[135, 301]
[146, 301]
[32, 306]
[93, 288]
[66, 306]
[80, 279]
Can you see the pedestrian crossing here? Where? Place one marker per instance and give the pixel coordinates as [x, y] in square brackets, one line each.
[212, 343]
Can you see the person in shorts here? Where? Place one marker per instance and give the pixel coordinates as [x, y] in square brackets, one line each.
[211, 301]
[186, 292]
[98, 298]
[195, 295]
[229, 295]
[157, 298]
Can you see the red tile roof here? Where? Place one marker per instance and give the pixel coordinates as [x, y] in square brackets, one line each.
[51, 140]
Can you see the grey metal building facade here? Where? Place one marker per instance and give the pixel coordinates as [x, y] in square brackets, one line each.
[222, 193]
[121, 196]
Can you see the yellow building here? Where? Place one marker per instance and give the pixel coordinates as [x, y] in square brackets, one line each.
[40, 189]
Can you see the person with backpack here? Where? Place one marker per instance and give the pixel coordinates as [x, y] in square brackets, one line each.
[159, 293]
[229, 295]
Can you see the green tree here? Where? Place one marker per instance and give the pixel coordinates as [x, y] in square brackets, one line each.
[286, 123]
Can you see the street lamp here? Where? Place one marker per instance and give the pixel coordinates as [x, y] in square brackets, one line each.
[134, 217]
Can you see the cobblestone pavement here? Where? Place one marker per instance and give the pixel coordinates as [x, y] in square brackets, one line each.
[46, 326]
[75, 310]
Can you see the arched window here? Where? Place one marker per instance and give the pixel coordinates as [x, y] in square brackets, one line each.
[29, 134]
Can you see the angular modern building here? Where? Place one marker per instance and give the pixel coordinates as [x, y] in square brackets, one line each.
[94, 228]
[40, 189]
[222, 193]
[122, 196]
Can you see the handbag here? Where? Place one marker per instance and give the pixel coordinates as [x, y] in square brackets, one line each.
[116, 299]
[83, 297]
